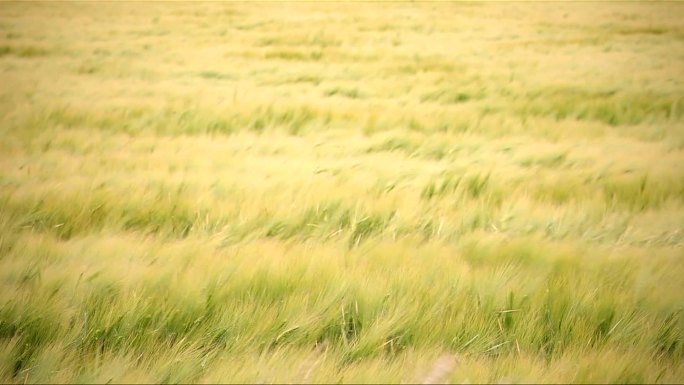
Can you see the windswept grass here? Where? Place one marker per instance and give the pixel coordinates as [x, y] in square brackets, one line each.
[383, 193]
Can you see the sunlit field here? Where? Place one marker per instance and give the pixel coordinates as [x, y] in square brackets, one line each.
[341, 192]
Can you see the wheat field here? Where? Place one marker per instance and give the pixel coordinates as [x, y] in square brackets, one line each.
[341, 192]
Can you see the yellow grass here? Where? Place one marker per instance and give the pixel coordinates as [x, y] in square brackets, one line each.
[341, 192]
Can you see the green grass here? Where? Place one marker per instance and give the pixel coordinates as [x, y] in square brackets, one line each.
[386, 193]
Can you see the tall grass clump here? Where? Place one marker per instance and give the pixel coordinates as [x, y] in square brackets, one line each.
[388, 193]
